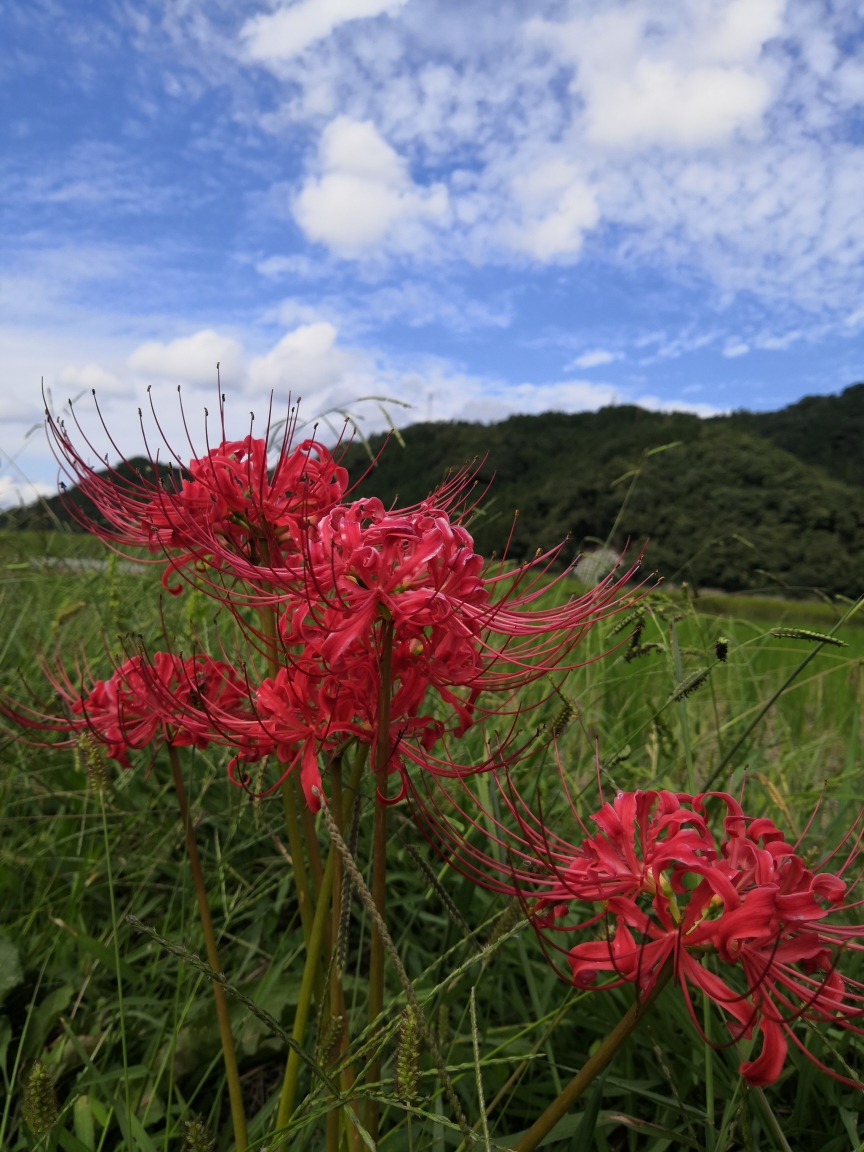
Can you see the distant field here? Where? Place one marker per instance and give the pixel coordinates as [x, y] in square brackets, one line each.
[775, 610]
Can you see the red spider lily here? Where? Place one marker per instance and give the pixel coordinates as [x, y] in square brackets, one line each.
[453, 632]
[667, 887]
[456, 630]
[184, 700]
[331, 574]
[304, 711]
[331, 571]
[417, 566]
[228, 501]
[234, 501]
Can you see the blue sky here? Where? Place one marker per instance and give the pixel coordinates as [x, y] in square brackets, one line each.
[475, 209]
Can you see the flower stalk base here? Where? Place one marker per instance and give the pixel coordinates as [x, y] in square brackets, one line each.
[592, 1067]
[379, 857]
[238, 1115]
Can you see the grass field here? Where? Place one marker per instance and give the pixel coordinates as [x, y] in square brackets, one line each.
[128, 1030]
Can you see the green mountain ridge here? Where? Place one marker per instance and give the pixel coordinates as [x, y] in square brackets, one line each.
[731, 507]
[827, 431]
[745, 501]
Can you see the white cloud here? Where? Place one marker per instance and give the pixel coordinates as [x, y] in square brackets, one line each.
[566, 396]
[290, 30]
[595, 359]
[364, 193]
[21, 409]
[415, 303]
[189, 359]
[305, 362]
[685, 74]
[93, 376]
[298, 265]
[15, 492]
[655, 404]
[774, 343]
[735, 348]
[557, 208]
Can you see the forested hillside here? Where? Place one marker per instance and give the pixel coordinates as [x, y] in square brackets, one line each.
[727, 507]
[748, 500]
[823, 430]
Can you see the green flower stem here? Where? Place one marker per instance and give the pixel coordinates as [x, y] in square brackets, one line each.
[337, 1006]
[337, 994]
[117, 971]
[304, 898]
[592, 1067]
[311, 969]
[238, 1116]
[379, 858]
[313, 851]
[295, 842]
[710, 1132]
[304, 1000]
[347, 1076]
[334, 1115]
[407, 987]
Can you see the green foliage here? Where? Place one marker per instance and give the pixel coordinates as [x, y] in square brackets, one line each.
[59, 1000]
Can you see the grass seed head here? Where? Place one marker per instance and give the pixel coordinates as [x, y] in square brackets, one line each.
[407, 1057]
[507, 920]
[443, 1022]
[634, 620]
[807, 634]
[561, 719]
[65, 614]
[690, 684]
[196, 1136]
[40, 1100]
[257, 787]
[328, 1045]
[90, 758]
[637, 650]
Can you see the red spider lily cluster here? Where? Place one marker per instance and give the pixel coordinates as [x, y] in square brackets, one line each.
[338, 580]
[670, 891]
